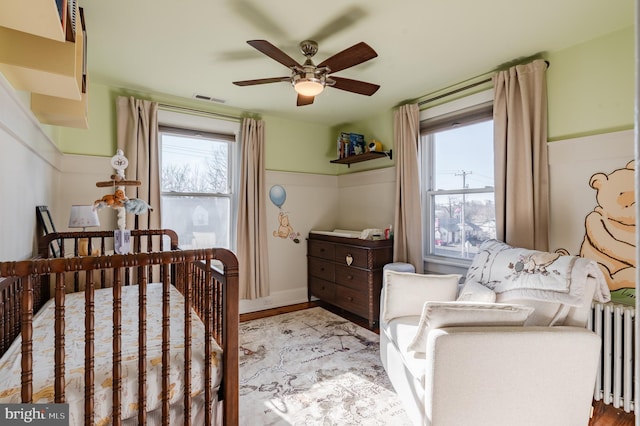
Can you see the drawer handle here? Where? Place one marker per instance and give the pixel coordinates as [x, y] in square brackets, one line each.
[321, 250]
[322, 269]
[349, 259]
[349, 277]
[350, 299]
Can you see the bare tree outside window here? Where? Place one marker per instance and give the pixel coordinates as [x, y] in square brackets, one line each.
[196, 189]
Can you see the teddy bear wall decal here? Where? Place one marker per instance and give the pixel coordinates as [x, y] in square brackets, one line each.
[610, 229]
[278, 196]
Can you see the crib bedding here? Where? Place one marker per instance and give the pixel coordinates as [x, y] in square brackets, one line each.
[43, 354]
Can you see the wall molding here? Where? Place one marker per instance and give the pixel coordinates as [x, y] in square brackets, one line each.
[18, 121]
[300, 179]
[367, 177]
[277, 299]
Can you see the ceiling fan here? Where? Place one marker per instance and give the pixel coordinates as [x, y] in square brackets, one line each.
[308, 79]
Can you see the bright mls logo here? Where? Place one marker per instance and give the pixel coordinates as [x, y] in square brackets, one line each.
[36, 414]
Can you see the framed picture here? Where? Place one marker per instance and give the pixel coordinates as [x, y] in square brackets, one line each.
[45, 223]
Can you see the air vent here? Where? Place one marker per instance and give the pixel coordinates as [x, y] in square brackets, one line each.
[207, 98]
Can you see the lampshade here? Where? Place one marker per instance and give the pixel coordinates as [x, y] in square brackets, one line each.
[308, 86]
[83, 217]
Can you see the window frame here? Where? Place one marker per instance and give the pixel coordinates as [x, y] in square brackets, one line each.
[465, 111]
[207, 127]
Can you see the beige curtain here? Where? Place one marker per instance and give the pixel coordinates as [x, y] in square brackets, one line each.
[252, 222]
[520, 149]
[407, 239]
[138, 139]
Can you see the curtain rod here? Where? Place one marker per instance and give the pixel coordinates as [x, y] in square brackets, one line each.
[460, 89]
[197, 111]
[453, 92]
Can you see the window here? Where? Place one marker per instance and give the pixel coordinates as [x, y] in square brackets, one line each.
[198, 186]
[458, 179]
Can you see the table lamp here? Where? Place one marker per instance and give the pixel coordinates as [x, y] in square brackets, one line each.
[83, 217]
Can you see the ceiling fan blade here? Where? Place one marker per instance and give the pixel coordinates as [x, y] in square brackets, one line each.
[274, 53]
[355, 86]
[354, 55]
[304, 100]
[258, 18]
[238, 55]
[339, 23]
[261, 81]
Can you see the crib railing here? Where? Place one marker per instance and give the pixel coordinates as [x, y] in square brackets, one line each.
[205, 289]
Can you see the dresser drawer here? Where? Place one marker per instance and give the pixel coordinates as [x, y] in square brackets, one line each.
[321, 249]
[321, 269]
[358, 256]
[354, 278]
[354, 301]
[322, 289]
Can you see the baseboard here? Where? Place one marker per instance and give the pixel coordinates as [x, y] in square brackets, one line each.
[275, 300]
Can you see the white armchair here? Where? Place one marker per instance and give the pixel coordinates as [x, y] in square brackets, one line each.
[478, 362]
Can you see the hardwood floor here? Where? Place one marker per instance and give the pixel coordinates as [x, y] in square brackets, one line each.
[603, 415]
[291, 308]
[277, 311]
[607, 415]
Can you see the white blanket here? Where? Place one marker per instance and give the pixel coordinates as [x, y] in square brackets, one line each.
[521, 273]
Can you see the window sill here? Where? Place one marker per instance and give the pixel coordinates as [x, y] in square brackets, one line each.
[446, 265]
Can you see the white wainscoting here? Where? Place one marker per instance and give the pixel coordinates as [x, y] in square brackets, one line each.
[318, 202]
[29, 173]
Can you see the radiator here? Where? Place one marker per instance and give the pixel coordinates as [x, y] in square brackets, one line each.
[614, 323]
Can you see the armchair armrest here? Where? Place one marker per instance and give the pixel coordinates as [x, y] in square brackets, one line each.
[501, 375]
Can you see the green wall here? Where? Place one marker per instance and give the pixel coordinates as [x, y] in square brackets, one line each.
[591, 87]
[100, 138]
[590, 91]
[291, 145]
[378, 127]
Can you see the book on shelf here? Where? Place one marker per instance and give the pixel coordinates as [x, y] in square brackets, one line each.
[350, 144]
[70, 30]
[357, 145]
[62, 12]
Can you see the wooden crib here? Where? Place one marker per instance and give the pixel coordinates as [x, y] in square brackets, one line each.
[156, 309]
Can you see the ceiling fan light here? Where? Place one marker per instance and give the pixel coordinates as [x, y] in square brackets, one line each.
[308, 87]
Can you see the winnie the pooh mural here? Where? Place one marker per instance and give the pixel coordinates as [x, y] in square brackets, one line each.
[610, 231]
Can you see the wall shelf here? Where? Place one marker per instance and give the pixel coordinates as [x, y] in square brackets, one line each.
[53, 69]
[372, 155]
[38, 17]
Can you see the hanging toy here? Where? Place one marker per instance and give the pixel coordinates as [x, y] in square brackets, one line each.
[114, 200]
[136, 206]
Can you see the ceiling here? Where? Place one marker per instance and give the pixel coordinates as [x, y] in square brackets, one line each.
[199, 46]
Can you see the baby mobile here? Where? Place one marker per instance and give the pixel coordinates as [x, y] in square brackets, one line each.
[120, 202]
[278, 195]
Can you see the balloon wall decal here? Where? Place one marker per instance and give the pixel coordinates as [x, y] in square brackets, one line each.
[277, 195]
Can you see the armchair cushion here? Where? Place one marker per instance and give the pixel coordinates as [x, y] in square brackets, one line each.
[475, 292]
[460, 314]
[404, 293]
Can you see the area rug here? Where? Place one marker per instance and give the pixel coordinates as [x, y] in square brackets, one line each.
[312, 367]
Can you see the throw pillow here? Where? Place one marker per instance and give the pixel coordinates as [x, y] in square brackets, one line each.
[460, 314]
[404, 293]
[475, 292]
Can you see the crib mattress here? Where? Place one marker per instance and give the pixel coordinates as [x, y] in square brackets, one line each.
[43, 354]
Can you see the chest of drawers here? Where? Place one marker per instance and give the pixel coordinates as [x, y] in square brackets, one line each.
[347, 272]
